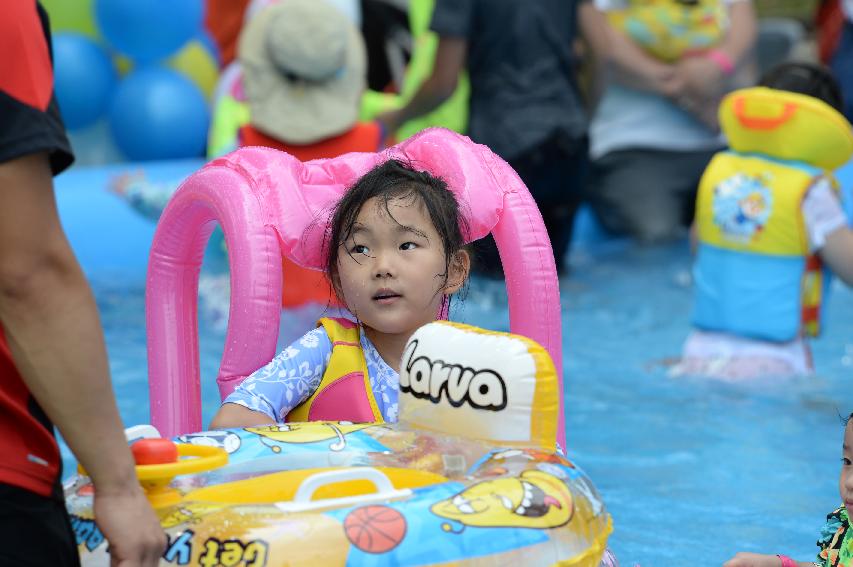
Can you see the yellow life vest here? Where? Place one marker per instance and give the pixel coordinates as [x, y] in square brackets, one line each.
[754, 273]
[344, 393]
[667, 29]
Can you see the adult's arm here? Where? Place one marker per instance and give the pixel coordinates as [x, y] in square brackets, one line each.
[593, 34]
[52, 327]
[626, 63]
[450, 58]
[740, 40]
[706, 79]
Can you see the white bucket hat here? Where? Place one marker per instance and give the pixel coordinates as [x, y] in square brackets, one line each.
[304, 70]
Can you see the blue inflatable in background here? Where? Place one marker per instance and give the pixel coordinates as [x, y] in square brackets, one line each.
[148, 30]
[85, 78]
[157, 113]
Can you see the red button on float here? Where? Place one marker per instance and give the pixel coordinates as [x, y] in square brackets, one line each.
[154, 452]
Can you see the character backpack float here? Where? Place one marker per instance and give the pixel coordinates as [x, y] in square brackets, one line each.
[474, 473]
[669, 29]
[755, 275]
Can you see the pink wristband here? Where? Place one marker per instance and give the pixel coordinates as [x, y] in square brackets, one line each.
[726, 65]
[787, 561]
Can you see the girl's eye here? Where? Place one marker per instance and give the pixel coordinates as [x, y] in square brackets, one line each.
[359, 249]
[408, 246]
[845, 461]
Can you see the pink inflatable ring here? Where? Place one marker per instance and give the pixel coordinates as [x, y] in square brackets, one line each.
[270, 204]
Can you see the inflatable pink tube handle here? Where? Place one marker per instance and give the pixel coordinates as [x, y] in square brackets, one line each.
[270, 204]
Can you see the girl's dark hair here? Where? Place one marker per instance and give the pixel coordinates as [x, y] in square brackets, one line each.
[805, 78]
[388, 181]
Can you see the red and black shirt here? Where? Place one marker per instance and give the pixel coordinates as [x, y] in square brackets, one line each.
[29, 123]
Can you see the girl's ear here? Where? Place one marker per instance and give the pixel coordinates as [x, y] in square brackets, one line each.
[335, 282]
[458, 270]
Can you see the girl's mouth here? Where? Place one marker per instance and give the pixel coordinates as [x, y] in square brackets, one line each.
[386, 296]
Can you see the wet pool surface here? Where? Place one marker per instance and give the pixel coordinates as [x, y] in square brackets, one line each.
[691, 470]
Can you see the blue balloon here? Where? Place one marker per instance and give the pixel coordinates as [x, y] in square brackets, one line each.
[148, 30]
[84, 79]
[159, 114]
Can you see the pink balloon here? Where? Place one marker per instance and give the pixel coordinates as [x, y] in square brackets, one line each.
[268, 204]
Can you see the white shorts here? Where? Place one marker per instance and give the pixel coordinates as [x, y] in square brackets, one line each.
[721, 355]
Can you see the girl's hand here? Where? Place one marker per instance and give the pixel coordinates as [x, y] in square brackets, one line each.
[744, 559]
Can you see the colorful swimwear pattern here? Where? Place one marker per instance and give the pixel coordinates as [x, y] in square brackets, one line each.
[836, 541]
[667, 29]
[295, 373]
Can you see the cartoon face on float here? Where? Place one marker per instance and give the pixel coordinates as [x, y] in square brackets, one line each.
[227, 440]
[188, 514]
[532, 500]
[309, 432]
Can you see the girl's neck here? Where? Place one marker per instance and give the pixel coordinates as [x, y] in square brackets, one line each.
[389, 346]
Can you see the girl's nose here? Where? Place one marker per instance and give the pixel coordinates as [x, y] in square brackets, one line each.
[382, 266]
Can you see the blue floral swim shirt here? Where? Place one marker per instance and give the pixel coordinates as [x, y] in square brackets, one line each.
[295, 374]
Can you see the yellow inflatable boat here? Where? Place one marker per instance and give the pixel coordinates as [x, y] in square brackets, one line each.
[469, 476]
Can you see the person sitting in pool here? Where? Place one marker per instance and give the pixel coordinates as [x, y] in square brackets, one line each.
[394, 258]
[836, 538]
[768, 219]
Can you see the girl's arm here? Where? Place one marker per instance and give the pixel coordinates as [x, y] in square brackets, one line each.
[270, 393]
[235, 415]
[838, 253]
[829, 232]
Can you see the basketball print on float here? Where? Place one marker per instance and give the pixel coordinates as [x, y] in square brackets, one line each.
[375, 529]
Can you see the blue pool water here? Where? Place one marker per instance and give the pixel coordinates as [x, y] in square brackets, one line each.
[691, 470]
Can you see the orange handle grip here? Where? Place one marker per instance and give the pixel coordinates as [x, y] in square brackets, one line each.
[756, 123]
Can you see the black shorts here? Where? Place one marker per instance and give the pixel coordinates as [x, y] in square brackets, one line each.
[35, 530]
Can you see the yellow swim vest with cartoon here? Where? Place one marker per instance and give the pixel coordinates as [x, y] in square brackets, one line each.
[754, 274]
[344, 393]
[667, 29]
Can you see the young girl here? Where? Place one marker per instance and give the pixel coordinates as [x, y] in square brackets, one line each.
[395, 256]
[836, 539]
[768, 220]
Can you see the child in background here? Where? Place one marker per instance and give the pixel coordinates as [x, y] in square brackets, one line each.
[394, 258]
[304, 73]
[836, 539]
[768, 218]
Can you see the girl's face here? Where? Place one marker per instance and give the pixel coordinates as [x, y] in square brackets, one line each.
[845, 483]
[391, 269]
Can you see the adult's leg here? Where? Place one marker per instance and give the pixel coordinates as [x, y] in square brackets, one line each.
[647, 194]
[556, 174]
